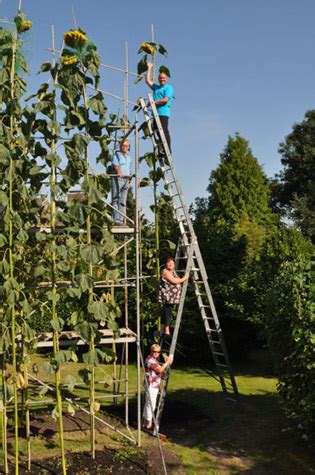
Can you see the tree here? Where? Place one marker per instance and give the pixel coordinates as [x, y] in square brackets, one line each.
[238, 187]
[296, 191]
[232, 226]
[289, 327]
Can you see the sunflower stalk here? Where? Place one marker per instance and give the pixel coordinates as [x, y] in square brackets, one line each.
[54, 303]
[157, 231]
[90, 290]
[55, 320]
[11, 258]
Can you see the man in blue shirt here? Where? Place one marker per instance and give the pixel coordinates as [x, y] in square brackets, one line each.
[120, 183]
[163, 96]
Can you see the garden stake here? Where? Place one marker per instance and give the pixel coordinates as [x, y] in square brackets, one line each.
[54, 291]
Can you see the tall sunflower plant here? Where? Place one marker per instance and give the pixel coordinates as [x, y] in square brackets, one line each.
[149, 52]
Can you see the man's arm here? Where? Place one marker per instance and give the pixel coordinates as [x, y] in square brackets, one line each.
[162, 101]
[118, 170]
[148, 75]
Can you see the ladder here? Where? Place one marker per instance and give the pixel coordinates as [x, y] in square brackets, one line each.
[188, 249]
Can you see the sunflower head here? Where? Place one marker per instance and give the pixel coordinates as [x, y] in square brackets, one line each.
[24, 26]
[69, 60]
[147, 48]
[21, 22]
[75, 38]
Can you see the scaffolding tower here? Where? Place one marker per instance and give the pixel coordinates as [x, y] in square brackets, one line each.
[188, 251]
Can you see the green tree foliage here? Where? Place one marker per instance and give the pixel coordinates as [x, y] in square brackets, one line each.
[232, 225]
[238, 187]
[296, 189]
[259, 271]
[290, 331]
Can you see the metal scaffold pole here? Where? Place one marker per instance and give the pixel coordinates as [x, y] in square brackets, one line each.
[137, 236]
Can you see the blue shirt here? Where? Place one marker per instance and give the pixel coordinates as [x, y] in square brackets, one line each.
[160, 92]
[124, 163]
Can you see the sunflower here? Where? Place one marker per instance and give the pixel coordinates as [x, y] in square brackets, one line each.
[69, 60]
[147, 48]
[24, 26]
[75, 38]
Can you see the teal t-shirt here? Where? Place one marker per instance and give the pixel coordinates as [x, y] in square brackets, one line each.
[160, 92]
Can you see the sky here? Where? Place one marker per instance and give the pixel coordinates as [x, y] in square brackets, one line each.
[245, 66]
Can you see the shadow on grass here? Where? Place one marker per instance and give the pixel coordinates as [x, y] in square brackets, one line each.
[246, 437]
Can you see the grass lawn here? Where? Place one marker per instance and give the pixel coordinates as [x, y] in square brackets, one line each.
[206, 434]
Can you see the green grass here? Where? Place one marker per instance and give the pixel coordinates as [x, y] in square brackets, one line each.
[220, 438]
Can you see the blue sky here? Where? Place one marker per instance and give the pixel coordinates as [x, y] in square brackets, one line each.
[242, 66]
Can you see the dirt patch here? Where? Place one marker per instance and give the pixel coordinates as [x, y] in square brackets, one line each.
[113, 461]
[116, 457]
[106, 461]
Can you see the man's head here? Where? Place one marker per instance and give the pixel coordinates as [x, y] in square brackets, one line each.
[124, 146]
[155, 349]
[163, 78]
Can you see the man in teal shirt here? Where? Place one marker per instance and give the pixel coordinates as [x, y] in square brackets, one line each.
[163, 96]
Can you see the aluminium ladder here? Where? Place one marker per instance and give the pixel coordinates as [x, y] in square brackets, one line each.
[188, 249]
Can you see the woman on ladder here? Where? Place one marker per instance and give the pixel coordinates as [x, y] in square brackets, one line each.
[170, 290]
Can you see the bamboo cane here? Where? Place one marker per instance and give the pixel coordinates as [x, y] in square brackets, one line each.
[27, 419]
[4, 418]
[54, 286]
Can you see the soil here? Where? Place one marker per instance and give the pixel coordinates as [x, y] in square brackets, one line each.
[124, 459]
[246, 438]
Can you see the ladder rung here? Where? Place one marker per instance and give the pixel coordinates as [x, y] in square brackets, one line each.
[217, 353]
[212, 330]
[223, 365]
[204, 306]
[195, 269]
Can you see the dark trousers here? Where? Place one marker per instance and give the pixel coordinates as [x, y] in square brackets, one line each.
[164, 123]
[167, 311]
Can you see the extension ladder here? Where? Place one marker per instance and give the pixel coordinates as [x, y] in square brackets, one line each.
[188, 249]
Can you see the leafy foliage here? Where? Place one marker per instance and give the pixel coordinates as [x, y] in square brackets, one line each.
[290, 332]
[151, 49]
[78, 248]
[296, 190]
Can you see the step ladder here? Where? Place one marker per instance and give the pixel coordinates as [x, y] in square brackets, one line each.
[188, 249]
